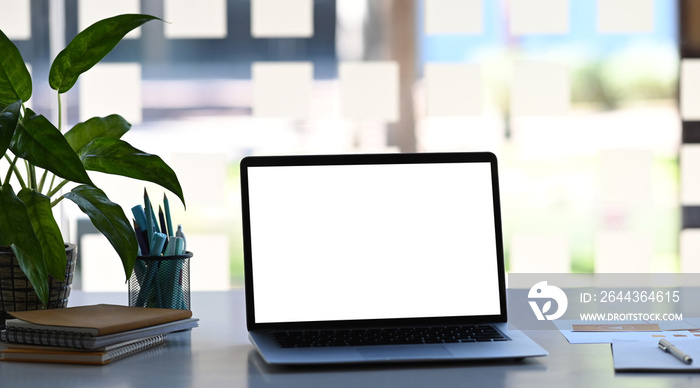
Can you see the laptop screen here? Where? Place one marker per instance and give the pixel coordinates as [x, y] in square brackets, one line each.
[345, 239]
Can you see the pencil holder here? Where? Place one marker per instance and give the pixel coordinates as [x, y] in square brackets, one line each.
[161, 281]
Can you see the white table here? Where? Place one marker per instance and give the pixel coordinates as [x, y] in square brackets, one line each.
[218, 354]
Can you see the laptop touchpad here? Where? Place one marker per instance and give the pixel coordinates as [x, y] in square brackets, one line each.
[403, 351]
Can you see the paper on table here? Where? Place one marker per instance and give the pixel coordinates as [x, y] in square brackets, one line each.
[605, 337]
[691, 321]
[616, 327]
[686, 324]
[647, 356]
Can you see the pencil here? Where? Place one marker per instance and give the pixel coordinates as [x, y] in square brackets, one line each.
[168, 219]
[161, 218]
[141, 239]
[149, 219]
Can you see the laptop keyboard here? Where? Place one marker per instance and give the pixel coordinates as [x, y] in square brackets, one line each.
[393, 336]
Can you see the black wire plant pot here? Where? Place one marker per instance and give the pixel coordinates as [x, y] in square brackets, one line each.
[17, 293]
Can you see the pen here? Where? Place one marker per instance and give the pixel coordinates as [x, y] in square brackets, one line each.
[180, 234]
[670, 348]
[139, 216]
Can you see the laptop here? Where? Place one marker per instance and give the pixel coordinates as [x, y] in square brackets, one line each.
[376, 258]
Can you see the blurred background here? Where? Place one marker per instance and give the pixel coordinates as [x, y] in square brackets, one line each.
[589, 104]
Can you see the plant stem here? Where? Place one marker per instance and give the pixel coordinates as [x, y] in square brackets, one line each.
[26, 168]
[13, 167]
[53, 177]
[59, 187]
[32, 176]
[56, 201]
[43, 179]
[9, 170]
[60, 111]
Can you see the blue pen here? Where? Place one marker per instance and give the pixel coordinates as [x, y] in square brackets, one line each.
[170, 249]
[139, 216]
[157, 244]
[179, 246]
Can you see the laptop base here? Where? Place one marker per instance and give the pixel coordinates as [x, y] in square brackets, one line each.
[519, 347]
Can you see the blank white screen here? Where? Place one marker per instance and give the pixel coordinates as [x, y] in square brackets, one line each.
[372, 241]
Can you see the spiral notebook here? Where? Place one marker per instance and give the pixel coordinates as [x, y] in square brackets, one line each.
[89, 327]
[72, 356]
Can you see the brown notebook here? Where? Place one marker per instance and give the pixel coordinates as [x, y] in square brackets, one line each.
[73, 356]
[95, 320]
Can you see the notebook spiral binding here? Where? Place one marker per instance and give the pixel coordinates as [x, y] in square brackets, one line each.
[21, 335]
[130, 349]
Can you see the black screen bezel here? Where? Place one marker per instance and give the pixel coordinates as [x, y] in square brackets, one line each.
[368, 159]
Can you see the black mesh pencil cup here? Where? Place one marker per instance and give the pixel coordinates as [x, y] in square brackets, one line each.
[161, 281]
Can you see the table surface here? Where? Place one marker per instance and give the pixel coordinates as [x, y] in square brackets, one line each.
[218, 354]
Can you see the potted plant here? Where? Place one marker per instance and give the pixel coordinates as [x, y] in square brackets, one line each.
[43, 159]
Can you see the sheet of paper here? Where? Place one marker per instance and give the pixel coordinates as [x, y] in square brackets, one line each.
[453, 16]
[671, 330]
[203, 19]
[625, 16]
[647, 356]
[529, 17]
[453, 89]
[606, 337]
[369, 90]
[282, 89]
[690, 249]
[686, 324]
[616, 327]
[15, 19]
[281, 18]
[690, 160]
[90, 12]
[691, 321]
[121, 79]
[540, 88]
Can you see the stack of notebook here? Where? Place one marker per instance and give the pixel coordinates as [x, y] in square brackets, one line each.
[96, 334]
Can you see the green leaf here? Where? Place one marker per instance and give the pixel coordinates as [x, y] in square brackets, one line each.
[35, 271]
[89, 47]
[109, 219]
[16, 231]
[42, 144]
[8, 122]
[15, 81]
[112, 126]
[114, 156]
[47, 231]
